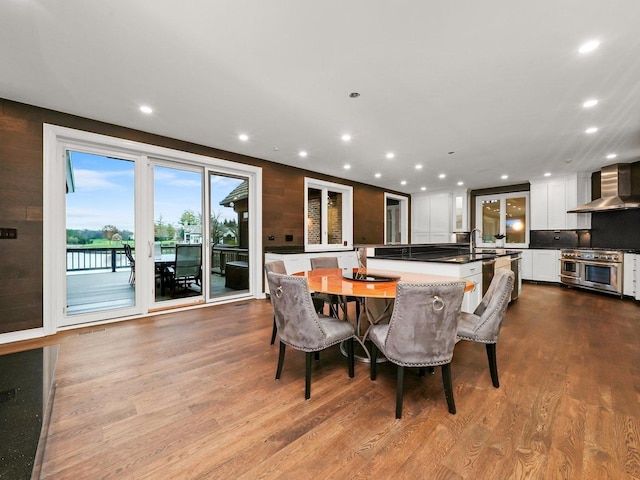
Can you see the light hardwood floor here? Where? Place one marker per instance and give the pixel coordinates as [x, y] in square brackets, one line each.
[193, 396]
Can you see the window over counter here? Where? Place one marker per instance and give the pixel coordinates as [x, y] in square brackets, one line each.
[329, 214]
[503, 220]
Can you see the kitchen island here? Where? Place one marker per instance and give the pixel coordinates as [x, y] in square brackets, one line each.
[455, 260]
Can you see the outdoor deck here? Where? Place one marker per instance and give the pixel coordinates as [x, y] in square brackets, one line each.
[95, 290]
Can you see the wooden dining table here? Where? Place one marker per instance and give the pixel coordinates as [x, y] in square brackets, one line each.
[372, 286]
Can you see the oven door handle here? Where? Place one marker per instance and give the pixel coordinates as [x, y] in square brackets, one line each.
[571, 277]
[601, 264]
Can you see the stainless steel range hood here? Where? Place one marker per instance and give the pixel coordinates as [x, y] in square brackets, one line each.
[615, 190]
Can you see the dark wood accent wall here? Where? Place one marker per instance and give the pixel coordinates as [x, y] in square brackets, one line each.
[21, 206]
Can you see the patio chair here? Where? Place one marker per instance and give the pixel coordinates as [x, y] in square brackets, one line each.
[132, 263]
[187, 268]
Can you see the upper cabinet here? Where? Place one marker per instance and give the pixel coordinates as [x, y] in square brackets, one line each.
[431, 216]
[550, 200]
[459, 210]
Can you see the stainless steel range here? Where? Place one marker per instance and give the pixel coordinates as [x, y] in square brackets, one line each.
[594, 269]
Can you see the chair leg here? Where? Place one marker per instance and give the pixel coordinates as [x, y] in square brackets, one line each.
[316, 356]
[351, 358]
[280, 360]
[307, 376]
[493, 364]
[399, 390]
[273, 332]
[374, 362]
[448, 387]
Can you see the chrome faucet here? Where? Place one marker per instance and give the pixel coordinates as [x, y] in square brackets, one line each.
[472, 239]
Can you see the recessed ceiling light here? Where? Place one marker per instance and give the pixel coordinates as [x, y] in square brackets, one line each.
[590, 103]
[442, 175]
[347, 166]
[589, 46]
[378, 175]
[418, 167]
[504, 177]
[243, 137]
[354, 95]
[302, 153]
[591, 130]
[460, 184]
[146, 109]
[547, 174]
[423, 188]
[612, 155]
[390, 155]
[568, 160]
[403, 182]
[346, 137]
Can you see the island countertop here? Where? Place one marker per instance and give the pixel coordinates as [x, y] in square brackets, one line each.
[442, 253]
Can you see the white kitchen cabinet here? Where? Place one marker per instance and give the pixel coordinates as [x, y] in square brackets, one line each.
[460, 211]
[637, 277]
[526, 265]
[431, 218]
[301, 262]
[545, 265]
[550, 200]
[629, 274]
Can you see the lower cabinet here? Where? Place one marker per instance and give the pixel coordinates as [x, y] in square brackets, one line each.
[545, 265]
[629, 274]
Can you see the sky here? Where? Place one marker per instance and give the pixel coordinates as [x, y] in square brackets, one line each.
[104, 193]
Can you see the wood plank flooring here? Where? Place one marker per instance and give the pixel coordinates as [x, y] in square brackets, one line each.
[192, 395]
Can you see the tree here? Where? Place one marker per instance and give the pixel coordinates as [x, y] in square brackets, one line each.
[217, 228]
[189, 218]
[108, 231]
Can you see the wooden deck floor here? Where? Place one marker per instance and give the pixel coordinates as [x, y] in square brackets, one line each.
[192, 395]
[96, 290]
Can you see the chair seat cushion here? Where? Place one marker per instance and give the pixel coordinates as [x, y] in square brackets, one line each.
[335, 329]
[468, 324]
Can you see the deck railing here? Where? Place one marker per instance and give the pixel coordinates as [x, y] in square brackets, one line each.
[101, 258]
[111, 258]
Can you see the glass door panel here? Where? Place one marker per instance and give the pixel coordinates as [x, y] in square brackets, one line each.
[100, 237]
[178, 234]
[516, 220]
[490, 220]
[229, 235]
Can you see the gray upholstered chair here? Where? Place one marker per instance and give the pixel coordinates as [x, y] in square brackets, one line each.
[301, 327]
[334, 301]
[483, 325]
[276, 266]
[421, 332]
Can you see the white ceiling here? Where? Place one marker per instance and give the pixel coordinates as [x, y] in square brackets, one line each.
[498, 82]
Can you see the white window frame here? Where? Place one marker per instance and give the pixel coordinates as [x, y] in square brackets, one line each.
[502, 198]
[347, 215]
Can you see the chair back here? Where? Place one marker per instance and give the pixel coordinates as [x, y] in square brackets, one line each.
[275, 266]
[324, 262]
[128, 253]
[423, 325]
[493, 306]
[297, 322]
[188, 260]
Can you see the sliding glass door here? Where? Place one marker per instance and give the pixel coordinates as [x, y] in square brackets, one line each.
[229, 234]
[99, 250]
[131, 228]
[177, 233]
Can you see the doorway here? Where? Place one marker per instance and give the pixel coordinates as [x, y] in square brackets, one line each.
[396, 219]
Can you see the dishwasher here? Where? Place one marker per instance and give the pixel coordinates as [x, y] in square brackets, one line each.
[488, 268]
